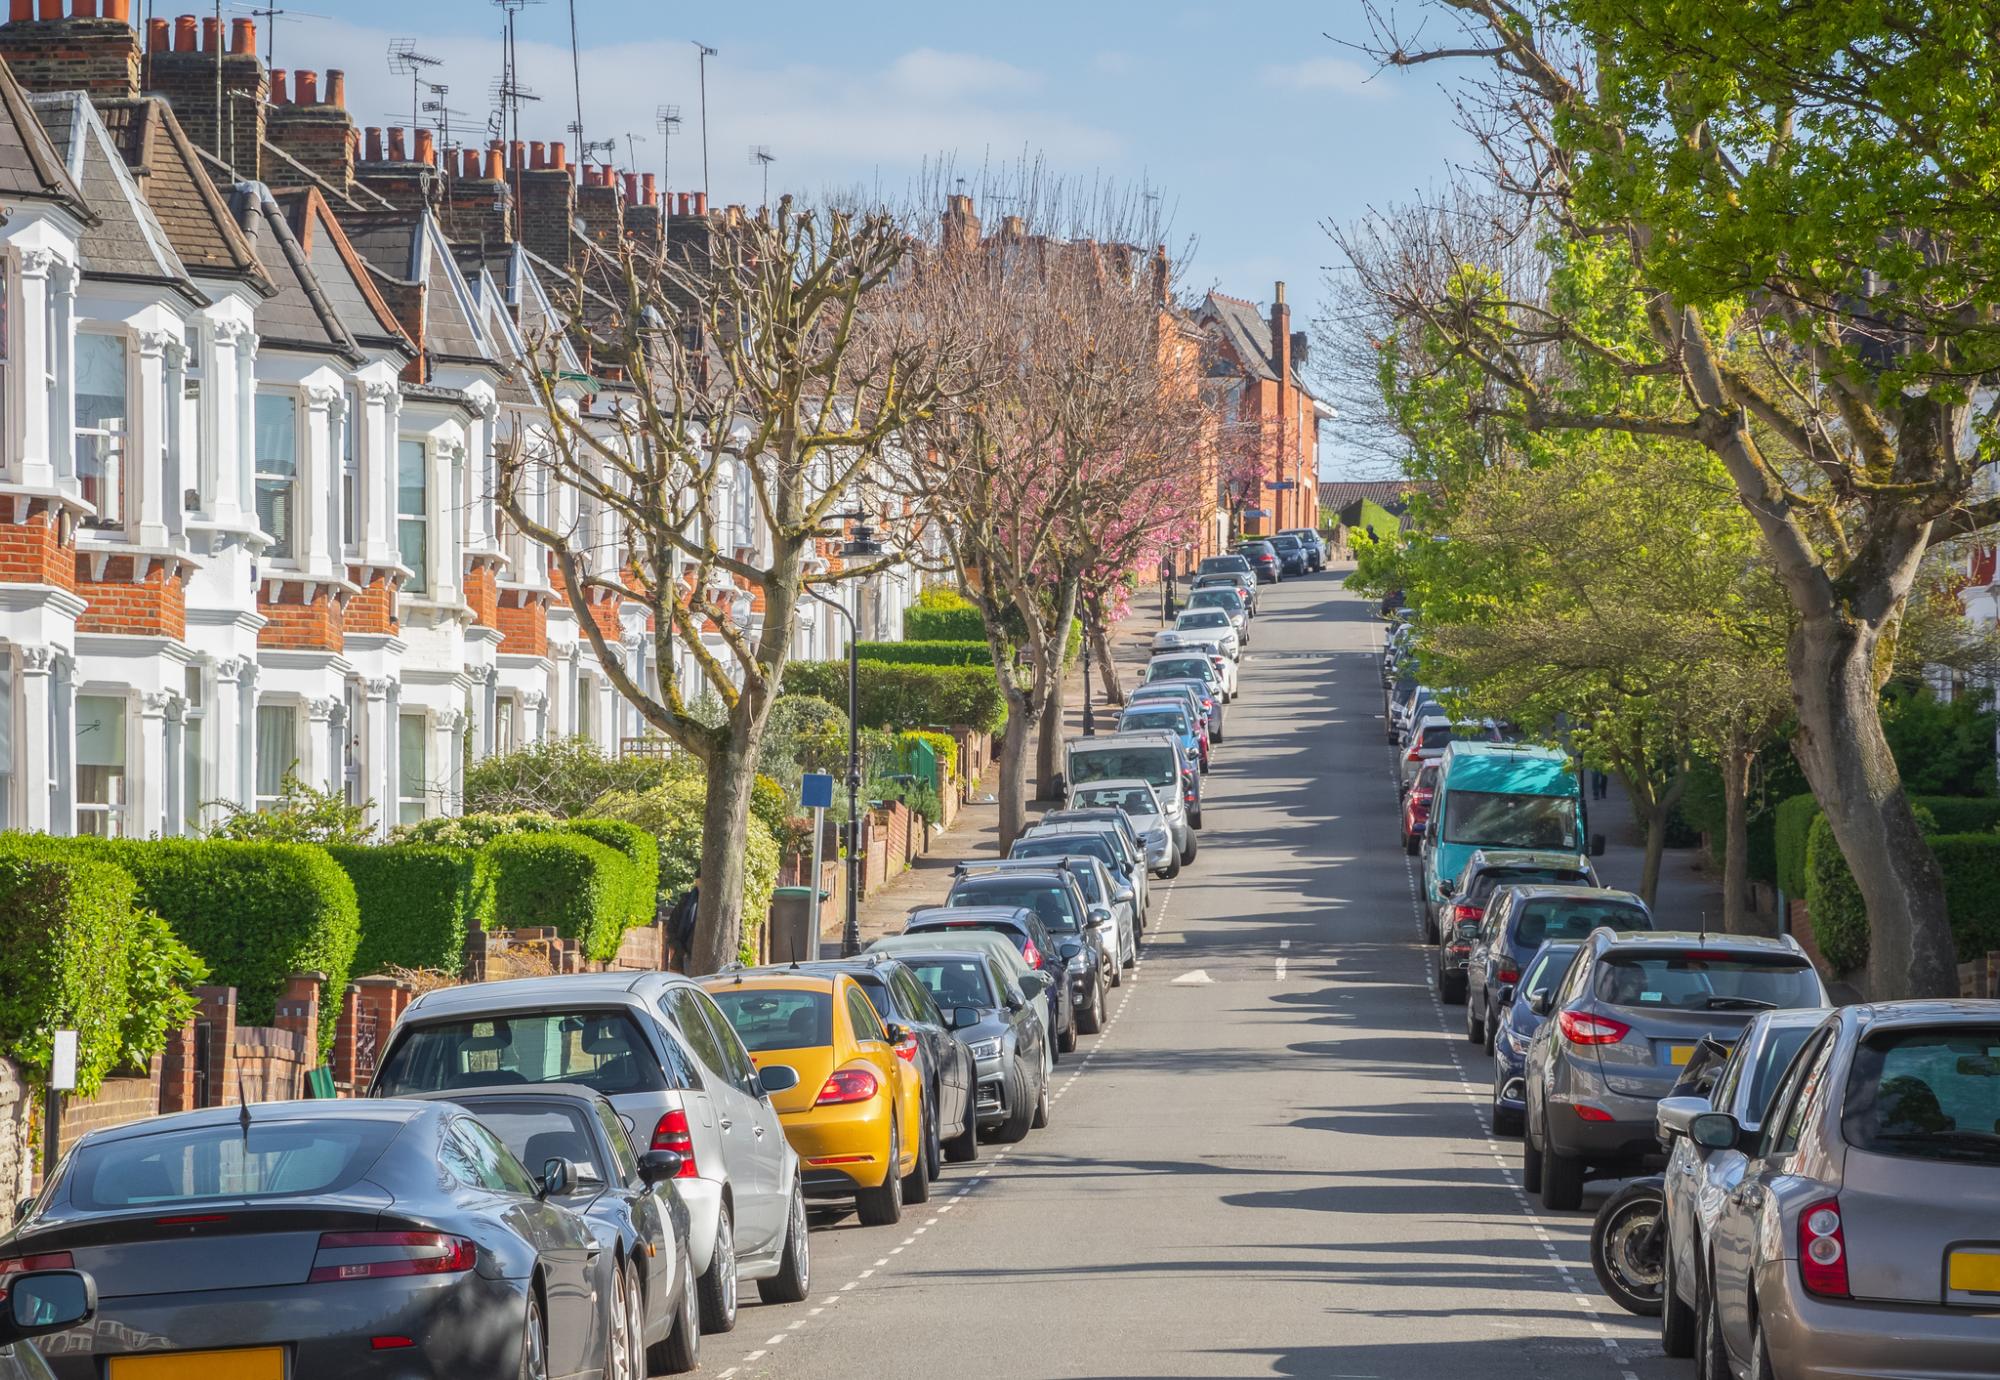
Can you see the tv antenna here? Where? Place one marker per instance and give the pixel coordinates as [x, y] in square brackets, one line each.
[668, 118]
[706, 53]
[761, 153]
[404, 57]
[271, 14]
[509, 92]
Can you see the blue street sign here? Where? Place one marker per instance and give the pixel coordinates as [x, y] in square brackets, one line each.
[816, 791]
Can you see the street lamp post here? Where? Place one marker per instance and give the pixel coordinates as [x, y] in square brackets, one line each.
[862, 543]
[1089, 716]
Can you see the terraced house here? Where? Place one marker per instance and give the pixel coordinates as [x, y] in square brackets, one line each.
[255, 367]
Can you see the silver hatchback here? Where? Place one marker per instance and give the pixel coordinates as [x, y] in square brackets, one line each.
[1624, 1021]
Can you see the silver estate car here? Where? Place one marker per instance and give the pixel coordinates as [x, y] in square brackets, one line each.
[671, 1064]
[1864, 1236]
[1697, 1178]
[1622, 1023]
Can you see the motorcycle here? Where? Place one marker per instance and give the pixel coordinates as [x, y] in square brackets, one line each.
[1628, 1246]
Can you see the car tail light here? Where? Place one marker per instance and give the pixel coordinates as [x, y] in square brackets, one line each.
[1032, 954]
[906, 1048]
[1823, 1250]
[21, 1264]
[847, 1085]
[1507, 975]
[398, 1254]
[1416, 753]
[1464, 912]
[671, 1133]
[1586, 1112]
[1580, 1029]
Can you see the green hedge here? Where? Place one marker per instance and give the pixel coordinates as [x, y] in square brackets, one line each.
[641, 850]
[905, 697]
[943, 616]
[1948, 814]
[1794, 816]
[943, 744]
[585, 890]
[1958, 814]
[1971, 867]
[65, 927]
[929, 653]
[1839, 917]
[418, 903]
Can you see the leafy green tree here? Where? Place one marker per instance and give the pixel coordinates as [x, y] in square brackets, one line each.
[301, 814]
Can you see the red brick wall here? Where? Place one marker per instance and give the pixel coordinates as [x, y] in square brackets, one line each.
[177, 1089]
[100, 56]
[373, 610]
[604, 613]
[318, 624]
[156, 605]
[525, 625]
[119, 1102]
[482, 594]
[30, 554]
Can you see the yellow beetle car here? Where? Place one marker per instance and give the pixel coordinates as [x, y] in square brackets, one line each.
[856, 1116]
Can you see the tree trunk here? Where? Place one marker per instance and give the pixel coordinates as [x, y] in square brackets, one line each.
[1737, 917]
[1013, 795]
[725, 822]
[1049, 741]
[1100, 647]
[1846, 758]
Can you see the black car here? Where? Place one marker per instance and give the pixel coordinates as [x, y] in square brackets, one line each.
[628, 1200]
[1314, 544]
[1003, 905]
[1046, 887]
[946, 1064]
[353, 1239]
[1263, 558]
[36, 1303]
[1291, 554]
[998, 1025]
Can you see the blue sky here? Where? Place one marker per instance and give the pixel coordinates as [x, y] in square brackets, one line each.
[1255, 127]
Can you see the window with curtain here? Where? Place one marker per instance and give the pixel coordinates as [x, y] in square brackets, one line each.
[412, 528]
[411, 731]
[350, 473]
[194, 768]
[277, 750]
[194, 425]
[583, 698]
[100, 765]
[102, 421]
[277, 439]
[503, 725]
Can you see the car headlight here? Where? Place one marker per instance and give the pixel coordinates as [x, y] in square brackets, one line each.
[985, 1049]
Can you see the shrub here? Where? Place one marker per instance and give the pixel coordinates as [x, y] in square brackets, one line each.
[1963, 814]
[641, 850]
[929, 653]
[418, 903]
[561, 777]
[475, 831]
[1839, 919]
[65, 929]
[1941, 747]
[804, 733]
[1971, 867]
[672, 814]
[575, 885]
[302, 814]
[161, 974]
[942, 744]
[1794, 816]
[943, 615]
[1936, 814]
[904, 697]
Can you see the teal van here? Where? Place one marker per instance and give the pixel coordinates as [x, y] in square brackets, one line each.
[1501, 795]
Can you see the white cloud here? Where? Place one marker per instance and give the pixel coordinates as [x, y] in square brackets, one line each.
[927, 73]
[1323, 74]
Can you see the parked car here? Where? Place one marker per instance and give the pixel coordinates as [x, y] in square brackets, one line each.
[1072, 950]
[1314, 544]
[1242, 581]
[1292, 559]
[636, 1218]
[1191, 695]
[1021, 976]
[1155, 758]
[1489, 869]
[1432, 733]
[999, 1027]
[1491, 795]
[1697, 1178]
[1131, 806]
[655, 1045]
[1231, 600]
[1096, 859]
[1860, 1238]
[1183, 665]
[941, 1058]
[1163, 716]
[318, 1241]
[1006, 906]
[1519, 919]
[1094, 941]
[1627, 1016]
[1515, 1027]
[1263, 558]
[1204, 627]
[36, 1303]
[1417, 807]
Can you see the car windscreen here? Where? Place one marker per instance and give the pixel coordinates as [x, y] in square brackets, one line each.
[1779, 1047]
[1204, 618]
[766, 1019]
[1930, 1094]
[1547, 968]
[538, 1132]
[1222, 565]
[1179, 667]
[1281, 542]
[953, 981]
[1705, 981]
[1503, 819]
[1166, 719]
[1152, 763]
[268, 1159]
[1486, 881]
[598, 1049]
[1050, 903]
[1561, 918]
[1133, 800]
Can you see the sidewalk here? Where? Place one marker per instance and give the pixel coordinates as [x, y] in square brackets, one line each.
[1686, 894]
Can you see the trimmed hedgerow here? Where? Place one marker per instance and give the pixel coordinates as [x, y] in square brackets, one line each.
[941, 615]
[1936, 814]
[418, 903]
[905, 697]
[583, 889]
[916, 653]
[65, 929]
[1971, 867]
[640, 848]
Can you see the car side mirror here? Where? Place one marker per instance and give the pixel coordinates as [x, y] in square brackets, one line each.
[43, 1301]
[1542, 1002]
[1673, 1115]
[558, 1178]
[1714, 1130]
[1034, 984]
[22, 1209]
[658, 1166]
[963, 1017]
[1099, 917]
[1446, 887]
[777, 1078]
[897, 1033]
[1597, 845]
[1506, 994]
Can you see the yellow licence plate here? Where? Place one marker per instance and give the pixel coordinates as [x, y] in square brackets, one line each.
[1679, 1054]
[257, 1363]
[1973, 1272]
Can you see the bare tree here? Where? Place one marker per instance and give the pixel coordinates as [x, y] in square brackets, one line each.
[754, 364]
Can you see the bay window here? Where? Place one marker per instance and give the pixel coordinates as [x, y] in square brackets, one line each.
[194, 769]
[102, 423]
[412, 520]
[277, 750]
[194, 423]
[100, 766]
[277, 440]
[411, 733]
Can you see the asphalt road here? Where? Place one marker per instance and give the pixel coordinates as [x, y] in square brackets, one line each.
[1275, 1160]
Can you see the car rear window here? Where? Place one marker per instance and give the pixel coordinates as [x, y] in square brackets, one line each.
[1172, 720]
[1130, 799]
[1696, 981]
[269, 1159]
[953, 981]
[766, 1020]
[1158, 765]
[1050, 903]
[1178, 667]
[1565, 919]
[598, 1049]
[538, 1132]
[1437, 736]
[1484, 883]
[1931, 1094]
[1090, 845]
[1502, 819]
[1204, 618]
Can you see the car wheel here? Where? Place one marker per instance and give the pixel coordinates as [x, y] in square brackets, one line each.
[1452, 984]
[1677, 1320]
[1711, 1357]
[534, 1342]
[1562, 1181]
[1625, 1246]
[718, 1285]
[1132, 956]
[1020, 1112]
[1412, 844]
[964, 1147]
[1194, 822]
[1760, 1355]
[1090, 1020]
[681, 1351]
[1430, 926]
[1531, 1158]
[1042, 1106]
[934, 1141]
[883, 1206]
[794, 1278]
[1066, 1041]
[621, 1326]
[917, 1183]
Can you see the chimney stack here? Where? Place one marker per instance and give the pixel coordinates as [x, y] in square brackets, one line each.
[281, 89]
[548, 204]
[84, 50]
[186, 75]
[479, 208]
[601, 208]
[961, 224]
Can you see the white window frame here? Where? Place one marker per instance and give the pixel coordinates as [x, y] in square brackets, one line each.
[113, 813]
[420, 575]
[259, 476]
[350, 534]
[291, 708]
[112, 481]
[413, 796]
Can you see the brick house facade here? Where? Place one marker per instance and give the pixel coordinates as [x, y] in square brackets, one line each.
[1271, 480]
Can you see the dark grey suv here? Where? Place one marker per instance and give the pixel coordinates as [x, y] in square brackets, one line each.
[1622, 1023]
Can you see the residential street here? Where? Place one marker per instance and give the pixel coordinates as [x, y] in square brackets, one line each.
[1275, 1160]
